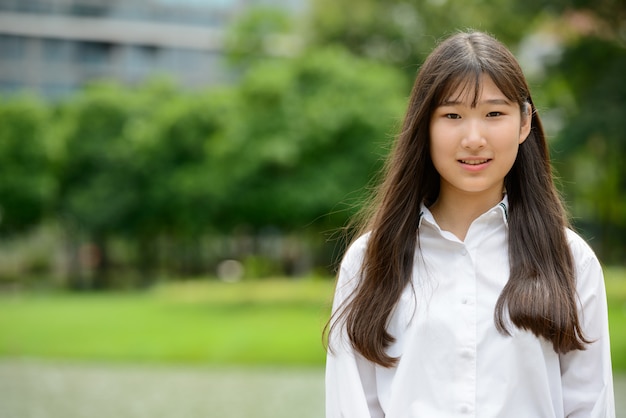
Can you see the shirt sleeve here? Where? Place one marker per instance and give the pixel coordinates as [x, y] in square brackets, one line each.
[586, 375]
[350, 378]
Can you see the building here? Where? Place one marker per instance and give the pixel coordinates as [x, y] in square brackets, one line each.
[55, 47]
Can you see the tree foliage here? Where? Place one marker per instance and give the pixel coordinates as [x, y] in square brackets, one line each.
[26, 181]
[311, 131]
[402, 32]
[290, 147]
[592, 145]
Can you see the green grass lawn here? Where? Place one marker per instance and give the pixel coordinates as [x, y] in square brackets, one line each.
[263, 322]
[269, 322]
[616, 294]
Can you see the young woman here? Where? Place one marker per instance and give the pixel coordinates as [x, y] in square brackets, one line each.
[466, 294]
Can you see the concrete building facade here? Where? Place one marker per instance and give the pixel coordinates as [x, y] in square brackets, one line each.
[54, 47]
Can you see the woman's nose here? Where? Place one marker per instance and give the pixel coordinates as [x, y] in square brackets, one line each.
[473, 136]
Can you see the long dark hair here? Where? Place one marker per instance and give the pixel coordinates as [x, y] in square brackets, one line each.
[540, 295]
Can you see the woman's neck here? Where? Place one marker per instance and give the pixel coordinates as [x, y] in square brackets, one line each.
[455, 213]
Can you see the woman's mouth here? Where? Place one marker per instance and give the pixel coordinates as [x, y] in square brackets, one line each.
[475, 162]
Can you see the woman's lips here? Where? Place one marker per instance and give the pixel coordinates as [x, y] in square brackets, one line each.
[474, 164]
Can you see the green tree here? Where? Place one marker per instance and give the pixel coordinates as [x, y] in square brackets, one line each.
[591, 145]
[312, 131]
[187, 167]
[259, 33]
[402, 32]
[150, 167]
[100, 177]
[26, 184]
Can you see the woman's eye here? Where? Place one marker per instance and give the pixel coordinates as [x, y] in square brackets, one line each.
[453, 116]
[493, 114]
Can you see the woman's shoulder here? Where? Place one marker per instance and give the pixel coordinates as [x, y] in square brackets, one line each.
[582, 252]
[350, 269]
[353, 257]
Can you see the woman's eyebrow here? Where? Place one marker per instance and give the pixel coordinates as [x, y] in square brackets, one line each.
[454, 102]
[496, 101]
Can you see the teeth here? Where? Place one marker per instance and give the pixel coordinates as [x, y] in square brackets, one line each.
[474, 162]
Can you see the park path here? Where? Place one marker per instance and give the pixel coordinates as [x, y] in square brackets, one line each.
[37, 389]
[41, 389]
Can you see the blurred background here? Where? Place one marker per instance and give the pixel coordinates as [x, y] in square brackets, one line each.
[176, 177]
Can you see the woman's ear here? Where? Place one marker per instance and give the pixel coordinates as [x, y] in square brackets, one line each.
[526, 122]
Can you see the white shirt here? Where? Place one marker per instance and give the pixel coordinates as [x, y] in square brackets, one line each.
[452, 360]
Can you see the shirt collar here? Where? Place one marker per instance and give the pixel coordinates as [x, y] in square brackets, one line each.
[502, 208]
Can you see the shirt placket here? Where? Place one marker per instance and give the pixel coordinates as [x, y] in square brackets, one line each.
[467, 335]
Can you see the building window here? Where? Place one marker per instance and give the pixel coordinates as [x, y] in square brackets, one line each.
[33, 6]
[12, 47]
[91, 8]
[93, 53]
[57, 50]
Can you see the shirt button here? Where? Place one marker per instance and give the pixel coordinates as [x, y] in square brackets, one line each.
[467, 354]
[463, 252]
[465, 409]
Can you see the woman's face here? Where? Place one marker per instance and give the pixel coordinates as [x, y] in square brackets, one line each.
[474, 147]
